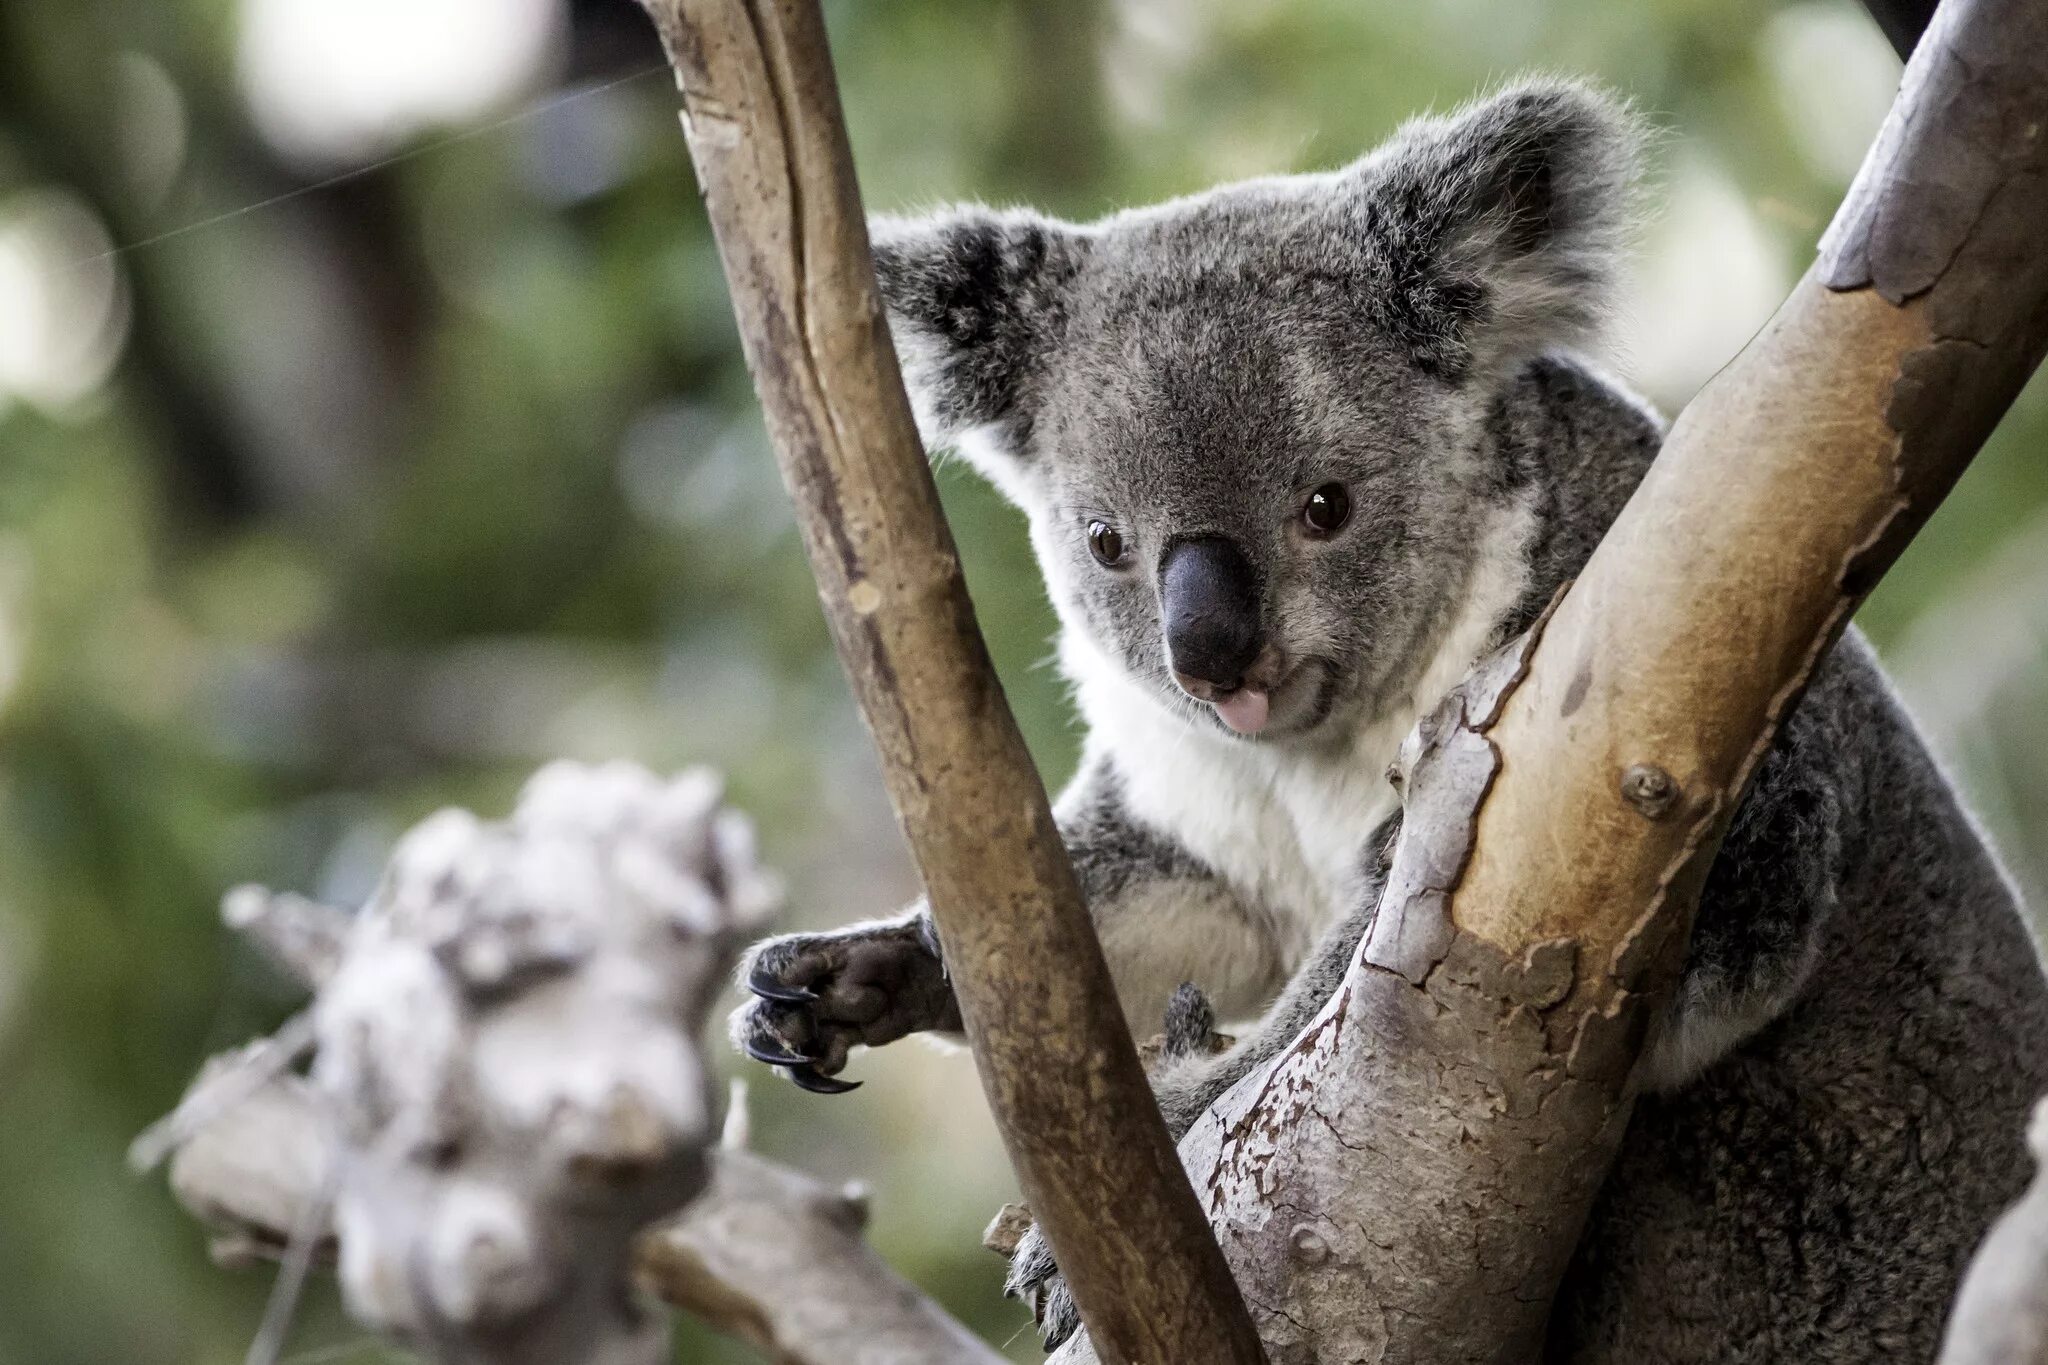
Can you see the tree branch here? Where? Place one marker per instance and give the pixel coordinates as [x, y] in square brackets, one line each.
[771, 1256]
[1564, 805]
[761, 111]
[765, 1253]
[507, 1087]
[506, 1084]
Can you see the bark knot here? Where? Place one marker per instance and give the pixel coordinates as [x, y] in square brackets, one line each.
[1650, 790]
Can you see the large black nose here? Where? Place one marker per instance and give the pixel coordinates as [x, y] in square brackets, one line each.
[1209, 601]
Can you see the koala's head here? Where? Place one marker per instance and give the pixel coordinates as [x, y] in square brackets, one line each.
[1248, 427]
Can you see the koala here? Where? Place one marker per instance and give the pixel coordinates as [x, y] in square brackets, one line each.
[1295, 453]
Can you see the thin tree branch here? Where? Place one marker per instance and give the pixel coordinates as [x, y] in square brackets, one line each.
[775, 1258]
[761, 110]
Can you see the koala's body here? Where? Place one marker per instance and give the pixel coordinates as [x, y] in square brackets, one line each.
[1295, 454]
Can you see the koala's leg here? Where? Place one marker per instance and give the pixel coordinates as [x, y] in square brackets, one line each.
[1185, 1088]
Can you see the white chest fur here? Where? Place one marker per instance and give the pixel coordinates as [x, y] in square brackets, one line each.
[1288, 828]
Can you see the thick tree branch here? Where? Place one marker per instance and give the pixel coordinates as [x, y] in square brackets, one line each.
[1437, 1136]
[761, 110]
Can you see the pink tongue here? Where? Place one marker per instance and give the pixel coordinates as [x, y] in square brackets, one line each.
[1244, 710]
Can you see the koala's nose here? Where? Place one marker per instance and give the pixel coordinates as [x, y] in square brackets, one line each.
[1209, 602]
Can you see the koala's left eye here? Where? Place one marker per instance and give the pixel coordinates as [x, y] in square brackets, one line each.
[1106, 544]
[1327, 509]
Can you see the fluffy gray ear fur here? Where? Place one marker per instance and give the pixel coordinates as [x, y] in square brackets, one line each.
[1500, 228]
[976, 300]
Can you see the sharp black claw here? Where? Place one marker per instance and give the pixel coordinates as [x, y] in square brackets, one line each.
[809, 1078]
[768, 988]
[762, 1052]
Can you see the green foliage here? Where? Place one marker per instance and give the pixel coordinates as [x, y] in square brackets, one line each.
[405, 484]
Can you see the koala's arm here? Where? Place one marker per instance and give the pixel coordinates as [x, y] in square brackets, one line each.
[1162, 916]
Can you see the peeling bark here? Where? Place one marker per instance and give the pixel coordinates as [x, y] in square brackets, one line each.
[761, 111]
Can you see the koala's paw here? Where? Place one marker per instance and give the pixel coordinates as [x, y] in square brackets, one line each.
[820, 995]
[1189, 1074]
[1035, 1279]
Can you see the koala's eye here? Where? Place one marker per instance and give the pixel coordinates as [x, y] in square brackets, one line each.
[1328, 508]
[1106, 543]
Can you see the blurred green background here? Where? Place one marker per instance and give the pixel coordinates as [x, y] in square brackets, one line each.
[372, 429]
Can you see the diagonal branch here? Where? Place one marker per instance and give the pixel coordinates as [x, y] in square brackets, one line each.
[761, 110]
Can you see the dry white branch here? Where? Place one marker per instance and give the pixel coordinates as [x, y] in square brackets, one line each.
[507, 1092]
[776, 1258]
[506, 1085]
[765, 1253]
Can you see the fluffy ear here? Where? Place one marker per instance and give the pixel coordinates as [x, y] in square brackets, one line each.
[1500, 228]
[976, 300]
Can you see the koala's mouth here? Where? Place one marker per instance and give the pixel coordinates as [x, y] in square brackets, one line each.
[1250, 707]
[1246, 709]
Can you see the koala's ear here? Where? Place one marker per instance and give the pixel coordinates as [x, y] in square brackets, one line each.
[1500, 228]
[976, 300]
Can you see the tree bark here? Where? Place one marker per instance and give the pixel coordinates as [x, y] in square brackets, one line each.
[761, 112]
[773, 1257]
[1409, 1180]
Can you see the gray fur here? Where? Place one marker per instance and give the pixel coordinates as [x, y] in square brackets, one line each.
[1837, 1096]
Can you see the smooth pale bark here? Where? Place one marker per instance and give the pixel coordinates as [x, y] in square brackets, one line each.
[761, 111]
[1409, 1180]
